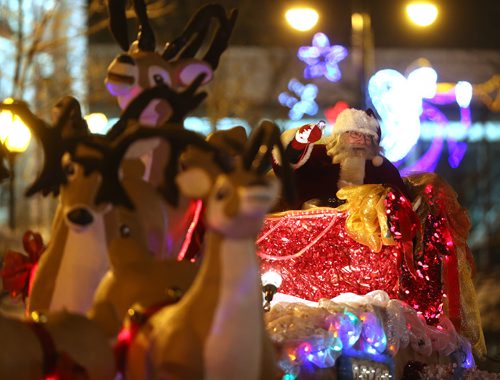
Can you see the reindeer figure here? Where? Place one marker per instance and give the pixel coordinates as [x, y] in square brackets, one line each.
[219, 320]
[135, 275]
[60, 345]
[141, 67]
[75, 259]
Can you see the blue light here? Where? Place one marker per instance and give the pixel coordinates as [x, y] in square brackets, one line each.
[204, 126]
[301, 100]
[322, 59]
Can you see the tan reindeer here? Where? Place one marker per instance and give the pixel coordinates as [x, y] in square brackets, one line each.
[216, 330]
[135, 275]
[76, 257]
[60, 345]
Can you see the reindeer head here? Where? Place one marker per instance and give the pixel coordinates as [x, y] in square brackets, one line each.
[78, 194]
[237, 199]
[56, 138]
[141, 67]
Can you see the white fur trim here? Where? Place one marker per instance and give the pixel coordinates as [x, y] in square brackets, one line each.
[377, 161]
[358, 121]
[304, 158]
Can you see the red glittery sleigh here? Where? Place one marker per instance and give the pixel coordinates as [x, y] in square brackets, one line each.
[316, 258]
[428, 264]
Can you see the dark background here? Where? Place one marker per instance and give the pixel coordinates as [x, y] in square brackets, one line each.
[460, 24]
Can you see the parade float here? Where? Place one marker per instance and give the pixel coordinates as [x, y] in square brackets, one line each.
[192, 259]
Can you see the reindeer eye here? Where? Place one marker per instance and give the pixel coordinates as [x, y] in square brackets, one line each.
[158, 79]
[124, 230]
[69, 169]
[221, 193]
[158, 75]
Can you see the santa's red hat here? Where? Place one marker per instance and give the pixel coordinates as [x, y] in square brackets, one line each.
[314, 135]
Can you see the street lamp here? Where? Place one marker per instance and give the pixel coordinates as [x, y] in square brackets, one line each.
[422, 13]
[302, 17]
[15, 136]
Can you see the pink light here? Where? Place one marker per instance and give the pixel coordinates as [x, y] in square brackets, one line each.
[191, 229]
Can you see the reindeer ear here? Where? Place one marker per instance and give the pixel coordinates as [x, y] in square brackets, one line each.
[190, 69]
[194, 183]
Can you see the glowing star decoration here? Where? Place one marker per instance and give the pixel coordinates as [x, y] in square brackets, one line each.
[405, 103]
[322, 59]
[300, 99]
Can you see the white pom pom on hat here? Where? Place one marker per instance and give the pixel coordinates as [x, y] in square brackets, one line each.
[360, 121]
[377, 161]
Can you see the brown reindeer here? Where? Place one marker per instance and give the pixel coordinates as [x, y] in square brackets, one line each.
[216, 330]
[141, 67]
[135, 275]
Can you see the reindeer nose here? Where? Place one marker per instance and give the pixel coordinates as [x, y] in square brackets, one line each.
[80, 216]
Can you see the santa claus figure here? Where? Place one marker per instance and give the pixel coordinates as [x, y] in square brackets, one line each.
[350, 156]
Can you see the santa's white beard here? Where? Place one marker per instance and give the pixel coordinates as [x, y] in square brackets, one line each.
[352, 171]
[351, 158]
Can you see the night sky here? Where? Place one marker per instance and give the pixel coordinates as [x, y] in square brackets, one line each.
[462, 24]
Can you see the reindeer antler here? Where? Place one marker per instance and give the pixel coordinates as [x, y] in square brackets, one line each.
[191, 39]
[145, 36]
[55, 140]
[258, 155]
[118, 23]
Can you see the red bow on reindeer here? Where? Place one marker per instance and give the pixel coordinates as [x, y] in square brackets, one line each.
[17, 268]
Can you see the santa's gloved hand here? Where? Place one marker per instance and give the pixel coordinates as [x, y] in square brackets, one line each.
[308, 134]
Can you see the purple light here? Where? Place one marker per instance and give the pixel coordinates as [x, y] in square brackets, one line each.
[458, 149]
[322, 59]
[428, 162]
[300, 99]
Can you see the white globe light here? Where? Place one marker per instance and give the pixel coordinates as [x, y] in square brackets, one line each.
[463, 93]
[271, 278]
[97, 122]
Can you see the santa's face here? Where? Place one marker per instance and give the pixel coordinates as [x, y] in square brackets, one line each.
[357, 139]
[303, 136]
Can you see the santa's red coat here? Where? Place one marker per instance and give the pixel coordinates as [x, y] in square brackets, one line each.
[317, 177]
